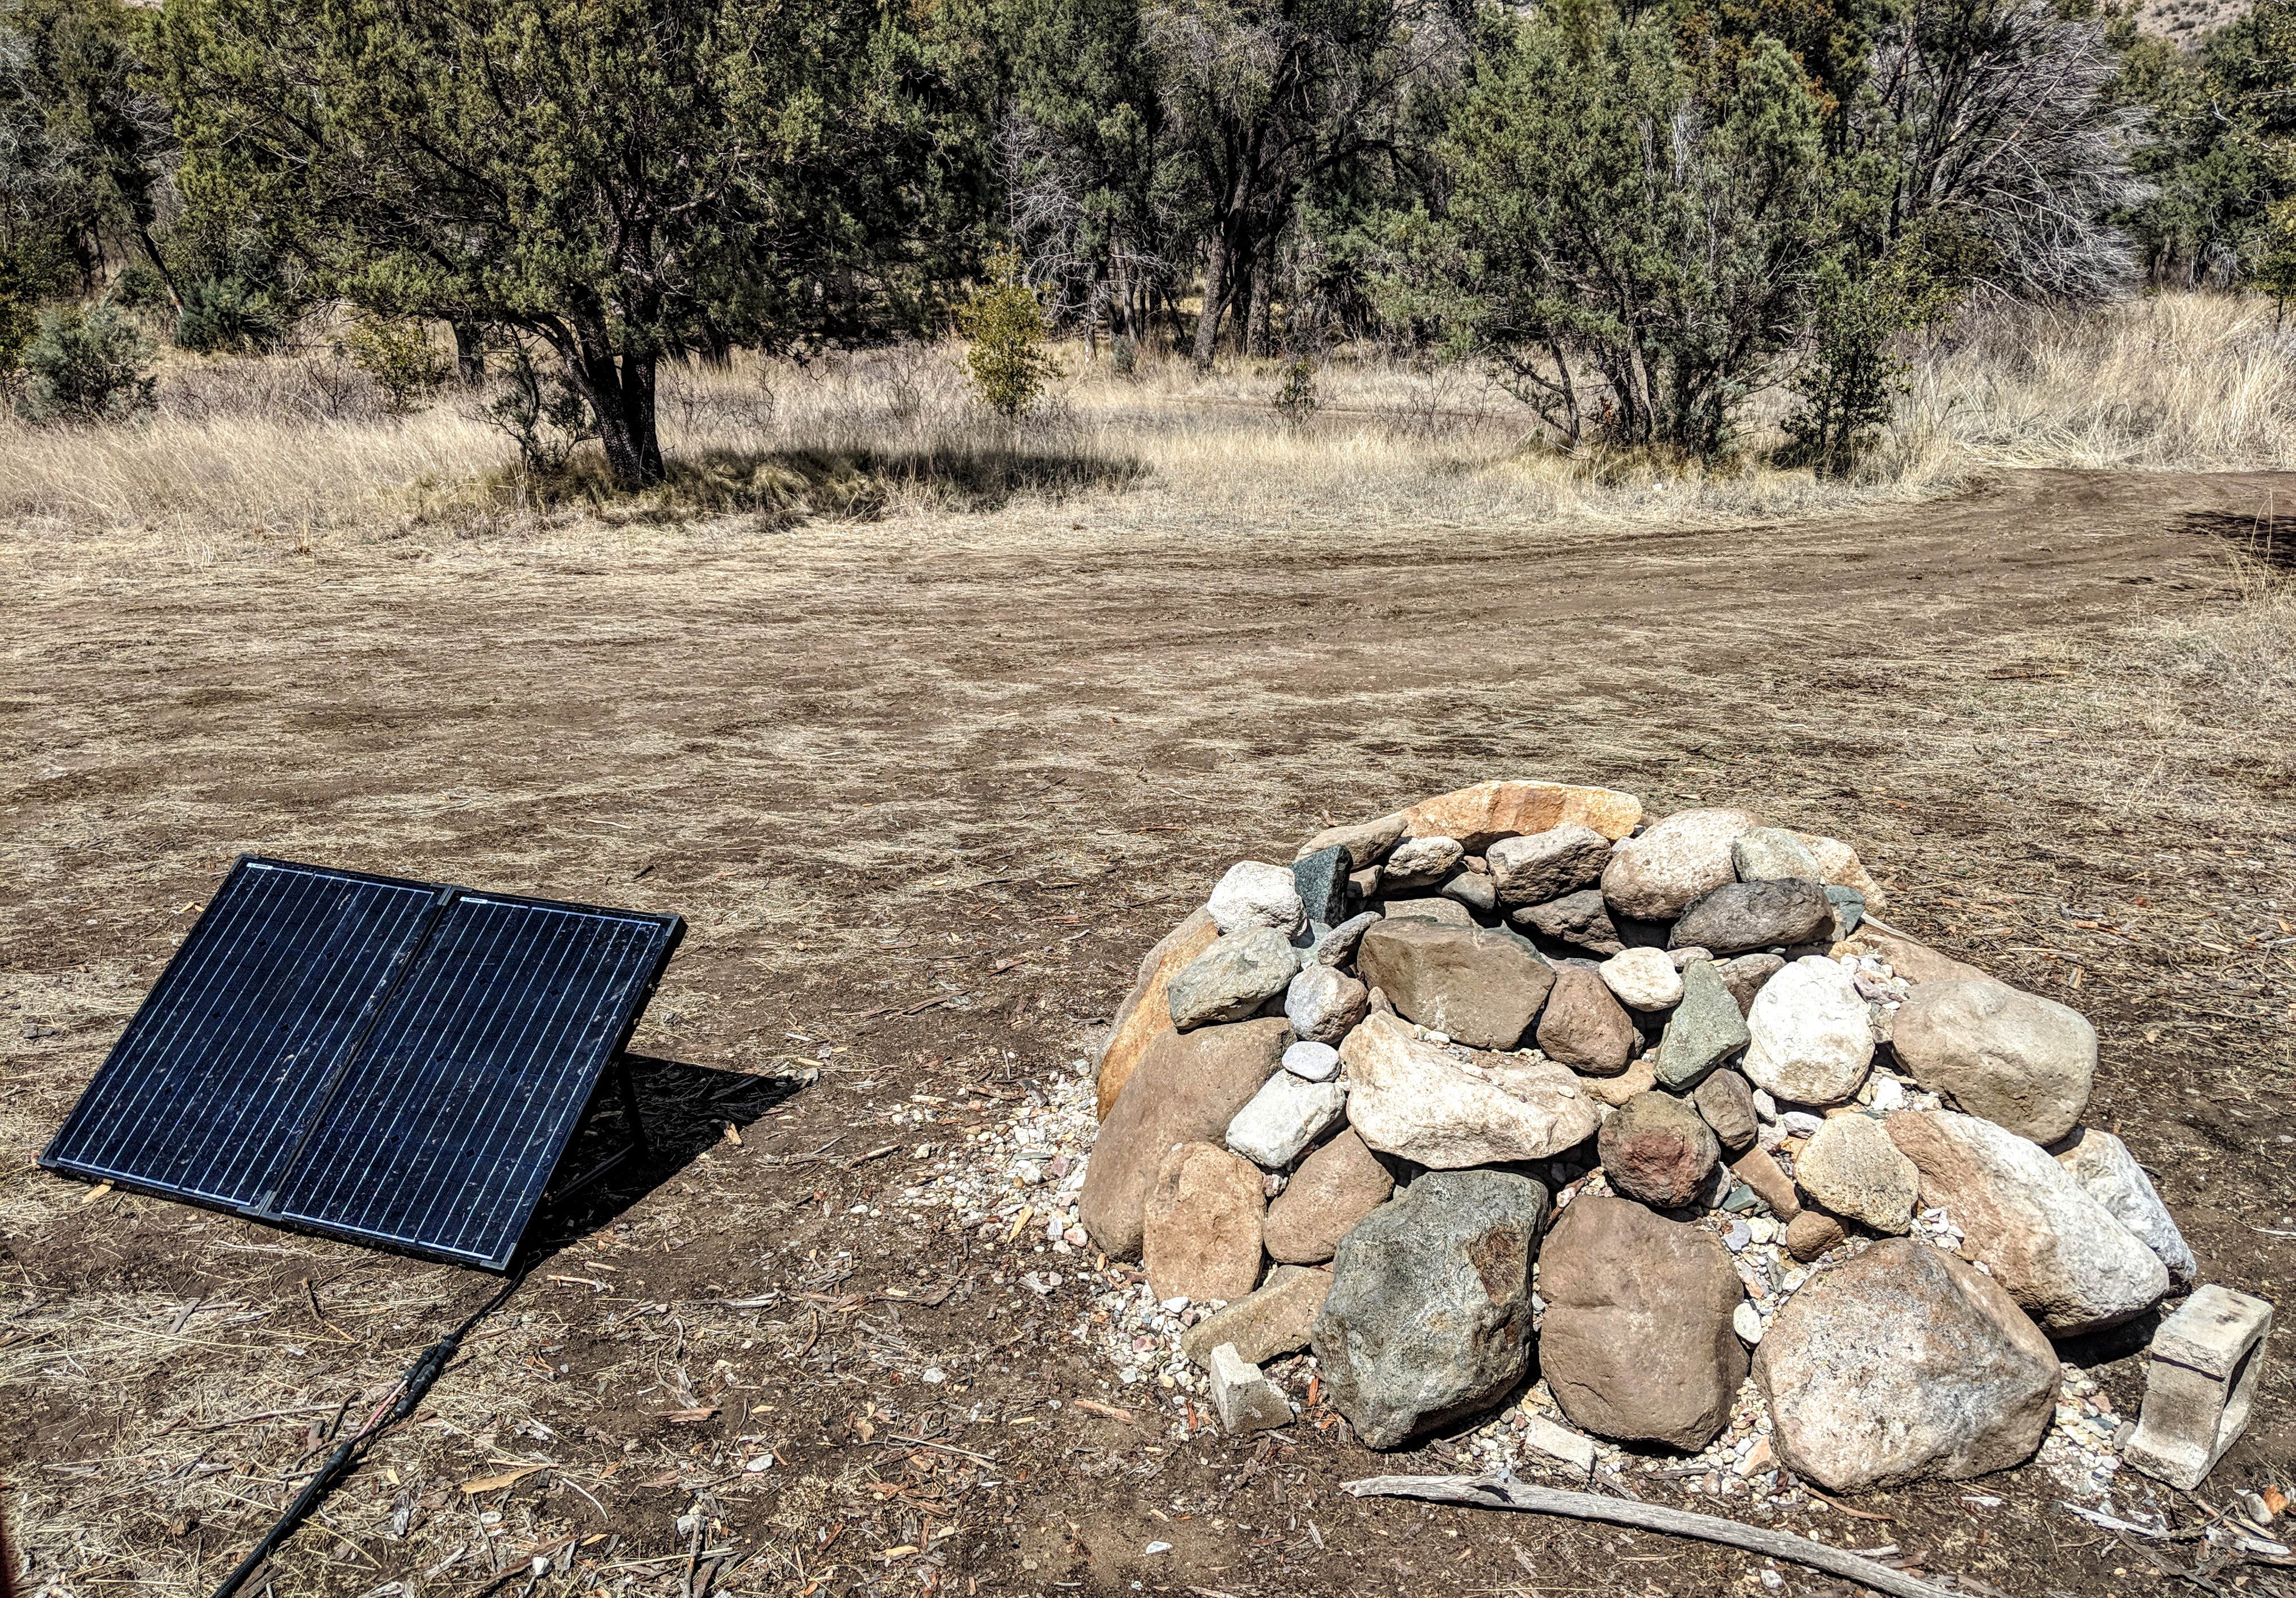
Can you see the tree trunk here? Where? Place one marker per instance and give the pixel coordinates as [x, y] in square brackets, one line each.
[1263, 273]
[469, 353]
[620, 392]
[1216, 279]
[160, 265]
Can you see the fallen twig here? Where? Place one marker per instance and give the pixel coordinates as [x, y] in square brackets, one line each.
[1496, 1492]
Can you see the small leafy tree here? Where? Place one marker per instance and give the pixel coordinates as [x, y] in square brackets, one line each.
[86, 365]
[396, 354]
[1005, 322]
[1633, 242]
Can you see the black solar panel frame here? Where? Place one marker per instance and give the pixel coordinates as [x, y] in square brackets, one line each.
[605, 1065]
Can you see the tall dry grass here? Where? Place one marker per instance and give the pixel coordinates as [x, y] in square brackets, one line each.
[299, 449]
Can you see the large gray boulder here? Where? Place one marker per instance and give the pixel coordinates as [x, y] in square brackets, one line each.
[1186, 1089]
[1428, 1315]
[2057, 1250]
[1636, 1343]
[1905, 1364]
[2019, 1059]
[1652, 876]
[1409, 1098]
[1479, 986]
[1740, 916]
[1581, 918]
[1232, 978]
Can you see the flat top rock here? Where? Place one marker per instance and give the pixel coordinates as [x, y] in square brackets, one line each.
[1367, 842]
[1412, 1099]
[1480, 816]
[1535, 867]
[1479, 985]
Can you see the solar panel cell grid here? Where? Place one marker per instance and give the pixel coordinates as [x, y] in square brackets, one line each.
[210, 1085]
[444, 1131]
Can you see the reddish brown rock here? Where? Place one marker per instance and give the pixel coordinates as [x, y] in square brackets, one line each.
[1334, 1187]
[1186, 1089]
[1811, 1233]
[1636, 1343]
[1200, 1226]
[1583, 1026]
[1773, 1186]
[1657, 1149]
[1480, 816]
[1145, 1015]
[1745, 975]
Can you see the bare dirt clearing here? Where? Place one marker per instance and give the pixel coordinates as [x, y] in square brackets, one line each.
[883, 769]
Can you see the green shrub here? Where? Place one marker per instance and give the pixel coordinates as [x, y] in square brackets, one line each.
[223, 316]
[398, 356]
[85, 365]
[1295, 397]
[1007, 328]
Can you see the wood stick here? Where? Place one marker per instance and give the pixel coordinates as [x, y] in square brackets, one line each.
[1494, 1492]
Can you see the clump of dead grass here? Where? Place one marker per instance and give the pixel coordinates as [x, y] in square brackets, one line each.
[299, 449]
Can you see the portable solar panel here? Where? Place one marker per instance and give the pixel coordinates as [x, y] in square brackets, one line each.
[402, 1063]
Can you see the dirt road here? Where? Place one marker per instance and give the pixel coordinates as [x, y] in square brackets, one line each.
[984, 761]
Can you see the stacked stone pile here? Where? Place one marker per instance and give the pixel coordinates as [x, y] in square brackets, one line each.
[1510, 1079]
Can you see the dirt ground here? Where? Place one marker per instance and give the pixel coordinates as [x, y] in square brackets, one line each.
[924, 790]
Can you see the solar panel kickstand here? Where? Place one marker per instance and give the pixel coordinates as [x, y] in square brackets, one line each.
[635, 1147]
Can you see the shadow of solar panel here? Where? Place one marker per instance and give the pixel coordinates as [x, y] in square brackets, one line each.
[447, 1126]
[206, 1092]
[402, 1063]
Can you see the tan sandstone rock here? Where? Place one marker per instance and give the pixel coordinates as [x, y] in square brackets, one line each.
[1583, 1026]
[1480, 816]
[1200, 1225]
[1334, 1187]
[1187, 1088]
[1145, 1015]
[1279, 1318]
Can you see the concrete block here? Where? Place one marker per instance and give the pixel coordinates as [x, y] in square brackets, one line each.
[1244, 1399]
[2198, 1389]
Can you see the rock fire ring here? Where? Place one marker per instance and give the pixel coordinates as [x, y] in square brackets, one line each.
[1510, 1123]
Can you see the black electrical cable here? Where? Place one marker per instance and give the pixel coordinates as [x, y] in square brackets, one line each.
[413, 1388]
